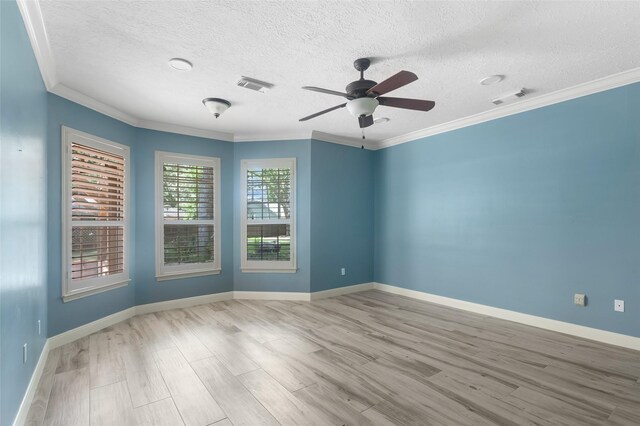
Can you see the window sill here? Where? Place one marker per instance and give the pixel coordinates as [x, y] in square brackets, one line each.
[179, 275]
[84, 293]
[270, 271]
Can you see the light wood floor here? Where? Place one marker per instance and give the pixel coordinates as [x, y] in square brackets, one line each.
[365, 358]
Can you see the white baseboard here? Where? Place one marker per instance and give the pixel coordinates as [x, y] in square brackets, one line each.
[271, 295]
[603, 336]
[97, 325]
[90, 328]
[532, 320]
[23, 411]
[305, 297]
[183, 303]
[341, 290]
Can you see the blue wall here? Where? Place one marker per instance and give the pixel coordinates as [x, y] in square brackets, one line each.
[65, 316]
[299, 281]
[23, 210]
[517, 213]
[341, 215]
[147, 289]
[521, 212]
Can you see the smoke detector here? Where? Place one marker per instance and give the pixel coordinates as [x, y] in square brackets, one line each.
[180, 64]
[492, 79]
[253, 84]
[509, 97]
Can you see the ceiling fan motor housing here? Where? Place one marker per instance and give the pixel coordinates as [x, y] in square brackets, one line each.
[358, 88]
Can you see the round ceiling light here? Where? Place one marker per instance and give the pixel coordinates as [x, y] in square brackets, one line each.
[381, 120]
[492, 79]
[180, 64]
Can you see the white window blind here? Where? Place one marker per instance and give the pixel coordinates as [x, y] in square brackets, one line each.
[187, 193]
[268, 215]
[95, 186]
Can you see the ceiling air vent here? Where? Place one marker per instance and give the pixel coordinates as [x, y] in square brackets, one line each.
[509, 97]
[253, 84]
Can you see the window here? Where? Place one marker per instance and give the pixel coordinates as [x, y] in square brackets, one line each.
[268, 215]
[188, 215]
[95, 190]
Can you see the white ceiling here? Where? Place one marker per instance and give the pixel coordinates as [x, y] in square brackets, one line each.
[116, 52]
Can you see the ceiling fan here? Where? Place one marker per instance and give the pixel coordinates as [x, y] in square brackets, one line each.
[365, 95]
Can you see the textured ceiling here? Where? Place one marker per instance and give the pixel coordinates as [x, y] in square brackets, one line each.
[116, 52]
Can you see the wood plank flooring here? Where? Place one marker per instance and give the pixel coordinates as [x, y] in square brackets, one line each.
[368, 358]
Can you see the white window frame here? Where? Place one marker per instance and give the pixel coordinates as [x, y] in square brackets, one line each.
[268, 266]
[75, 289]
[163, 272]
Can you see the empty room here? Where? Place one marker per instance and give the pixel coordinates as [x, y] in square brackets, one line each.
[315, 212]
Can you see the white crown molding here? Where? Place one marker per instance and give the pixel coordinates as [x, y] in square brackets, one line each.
[291, 136]
[342, 140]
[89, 102]
[596, 86]
[183, 130]
[610, 82]
[590, 333]
[32, 17]
[306, 135]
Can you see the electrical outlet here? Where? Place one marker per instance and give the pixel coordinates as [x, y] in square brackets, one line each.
[39, 328]
[24, 353]
[618, 305]
[343, 271]
[579, 299]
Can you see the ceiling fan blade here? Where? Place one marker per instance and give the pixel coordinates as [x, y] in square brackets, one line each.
[392, 83]
[327, 91]
[417, 104]
[322, 112]
[365, 121]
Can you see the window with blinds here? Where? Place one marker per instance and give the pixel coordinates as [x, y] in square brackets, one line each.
[268, 215]
[95, 186]
[187, 195]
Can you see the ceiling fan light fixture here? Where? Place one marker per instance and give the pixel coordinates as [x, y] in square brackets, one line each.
[362, 106]
[216, 106]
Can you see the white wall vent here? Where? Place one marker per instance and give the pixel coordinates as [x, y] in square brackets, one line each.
[509, 97]
[253, 84]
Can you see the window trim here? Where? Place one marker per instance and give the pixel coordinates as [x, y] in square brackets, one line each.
[187, 270]
[267, 266]
[98, 284]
